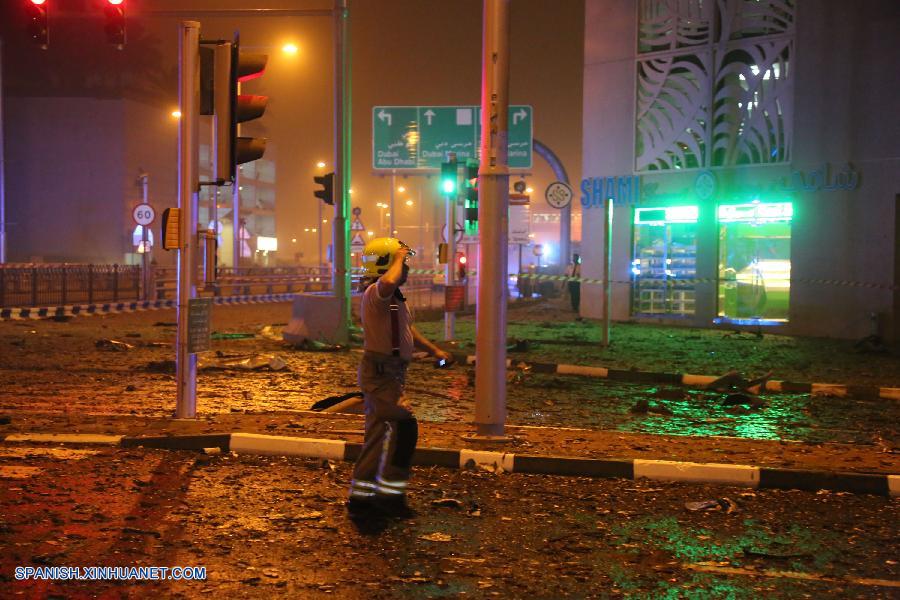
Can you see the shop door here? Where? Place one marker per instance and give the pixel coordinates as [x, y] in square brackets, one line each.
[755, 262]
[664, 261]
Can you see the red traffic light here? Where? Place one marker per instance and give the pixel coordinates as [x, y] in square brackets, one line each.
[115, 22]
[462, 259]
[38, 27]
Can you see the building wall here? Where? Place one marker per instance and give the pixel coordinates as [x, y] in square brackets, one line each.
[844, 116]
[72, 167]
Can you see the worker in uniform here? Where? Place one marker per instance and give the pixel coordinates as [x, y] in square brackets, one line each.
[382, 470]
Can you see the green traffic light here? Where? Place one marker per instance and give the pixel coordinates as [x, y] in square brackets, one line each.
[449, 186]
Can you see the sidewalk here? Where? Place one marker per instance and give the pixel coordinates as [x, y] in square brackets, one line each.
[559, 451]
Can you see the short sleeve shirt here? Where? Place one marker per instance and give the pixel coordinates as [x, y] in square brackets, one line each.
[376, 321]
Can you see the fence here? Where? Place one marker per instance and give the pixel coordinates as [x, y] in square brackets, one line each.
[37, 285]
[62, 284]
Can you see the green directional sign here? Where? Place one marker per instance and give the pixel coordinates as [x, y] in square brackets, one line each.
[420, 137]
[397, 128]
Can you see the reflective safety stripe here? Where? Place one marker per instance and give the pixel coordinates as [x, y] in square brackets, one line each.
[363, 484]
[385, 446]
[361, 494]
[389, 491]
[396, 484]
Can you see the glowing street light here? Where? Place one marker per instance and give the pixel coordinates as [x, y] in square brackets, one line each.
[401, 189]
[321, 164]
[409, 202]
[290, 48]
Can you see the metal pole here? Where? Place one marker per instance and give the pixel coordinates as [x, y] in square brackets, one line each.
[393, 185]
[341, 231]
[565, 235]
[2, 170]
[450, 272]
[319, 237]
[145, 247]
[493, 217]
[188, 188]
[607, 264]
[236, 212]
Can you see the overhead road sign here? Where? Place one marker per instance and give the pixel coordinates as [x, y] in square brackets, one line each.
[420, 137]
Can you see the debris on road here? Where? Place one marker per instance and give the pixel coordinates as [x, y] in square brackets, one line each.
[436, 537]
[726, 504]
[112, 345]
[250, 363]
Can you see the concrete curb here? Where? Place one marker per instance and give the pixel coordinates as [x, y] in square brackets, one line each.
[688, 379]
[75, 310]
[655, 470]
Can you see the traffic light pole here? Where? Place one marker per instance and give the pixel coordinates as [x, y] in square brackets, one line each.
[450, 272]
[340, 226]
[493, 218]
[188, 188]
[2, 170]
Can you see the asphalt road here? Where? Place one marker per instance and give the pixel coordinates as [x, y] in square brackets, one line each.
[265, 527]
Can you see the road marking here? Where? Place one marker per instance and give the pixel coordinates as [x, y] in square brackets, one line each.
[703, 568]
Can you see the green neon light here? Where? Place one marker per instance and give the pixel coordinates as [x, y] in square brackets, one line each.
[666, 214]
[756, 212]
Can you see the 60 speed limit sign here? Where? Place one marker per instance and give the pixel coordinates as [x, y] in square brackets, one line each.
[143, 214]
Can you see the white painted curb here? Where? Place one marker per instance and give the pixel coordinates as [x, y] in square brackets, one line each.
[66, 438]
[252, 443]
[664, 470]
[893, 482]
[601, 372]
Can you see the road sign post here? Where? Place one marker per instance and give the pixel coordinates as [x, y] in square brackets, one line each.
[144, 215]
[188, 188]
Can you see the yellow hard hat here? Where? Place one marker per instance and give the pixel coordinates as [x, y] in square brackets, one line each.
[378, 254]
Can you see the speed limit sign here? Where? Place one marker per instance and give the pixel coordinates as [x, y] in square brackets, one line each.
[143, 214]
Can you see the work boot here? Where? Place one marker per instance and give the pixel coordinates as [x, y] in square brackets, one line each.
[362, 509]
[396, 506]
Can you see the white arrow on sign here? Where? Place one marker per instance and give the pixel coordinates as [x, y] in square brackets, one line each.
[519, 116]
[429, 114]
[385, 116]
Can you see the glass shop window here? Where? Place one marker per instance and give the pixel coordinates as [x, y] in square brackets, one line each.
[664, 260]
[755, 262]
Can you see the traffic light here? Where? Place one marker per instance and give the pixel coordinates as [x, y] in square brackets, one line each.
[448, 177]
[471, 215]
[326, 194]
[38, 27]
[231, 108]
[115, 22]
[461, 267]
[171, 229]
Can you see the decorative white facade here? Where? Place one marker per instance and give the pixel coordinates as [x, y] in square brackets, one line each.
[714, 83]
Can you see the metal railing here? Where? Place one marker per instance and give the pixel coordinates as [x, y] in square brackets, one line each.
[61, 284]
[36, 285]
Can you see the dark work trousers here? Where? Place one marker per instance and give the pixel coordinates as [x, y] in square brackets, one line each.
[575, 294]
[383, 467]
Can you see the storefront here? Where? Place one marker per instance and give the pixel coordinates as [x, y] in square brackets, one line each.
[749, 187]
